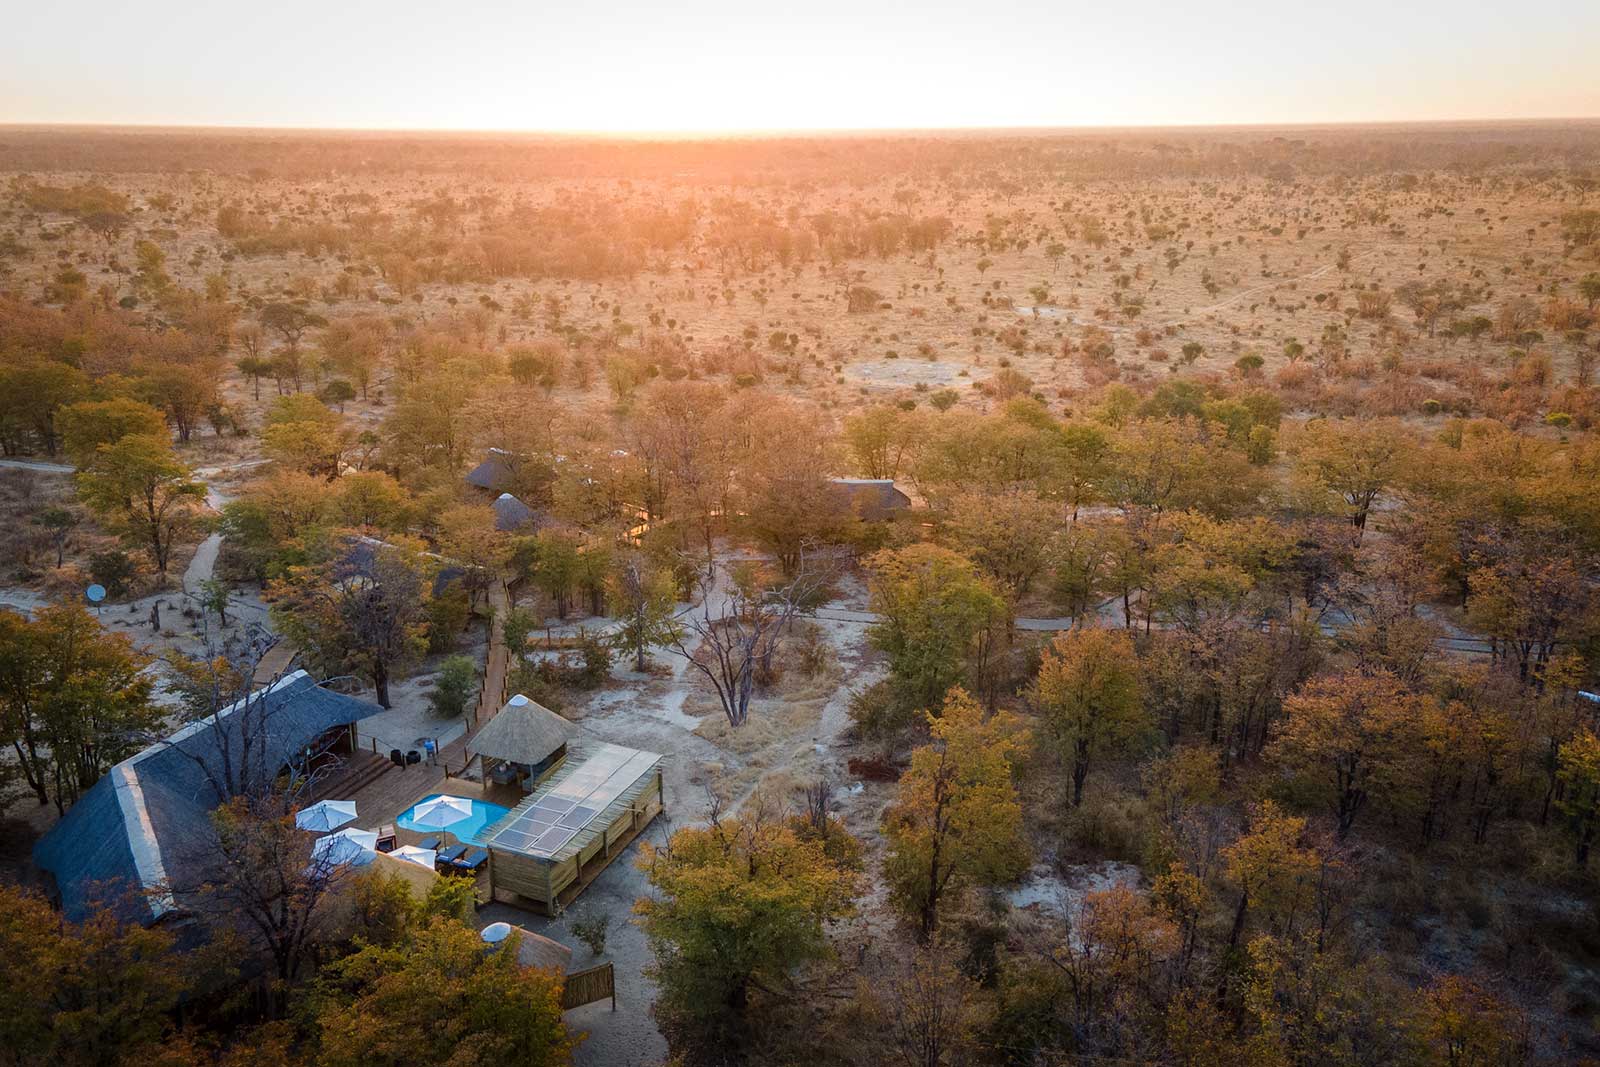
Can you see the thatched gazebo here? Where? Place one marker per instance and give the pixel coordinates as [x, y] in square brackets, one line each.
[522, 743]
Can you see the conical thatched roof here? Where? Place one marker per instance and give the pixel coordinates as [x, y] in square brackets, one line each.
[543, 953]
[511, 514]
[524, 731]
[494, 473]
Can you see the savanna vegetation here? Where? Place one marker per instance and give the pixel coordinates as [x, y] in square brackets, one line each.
[1225, 696]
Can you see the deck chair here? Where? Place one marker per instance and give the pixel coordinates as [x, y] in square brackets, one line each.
[449, 855]
[431, 843]
[388, 840]
[471, 861]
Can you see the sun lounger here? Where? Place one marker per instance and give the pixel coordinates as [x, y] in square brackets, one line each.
[471, 861]
[388, 840]
[451, 854]
[429, 843]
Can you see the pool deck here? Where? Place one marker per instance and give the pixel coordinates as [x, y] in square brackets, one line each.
[381, 794]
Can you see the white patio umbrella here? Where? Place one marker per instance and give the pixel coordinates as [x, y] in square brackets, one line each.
[351, 847]
[326, 815]
[422, 857]
[440, 812]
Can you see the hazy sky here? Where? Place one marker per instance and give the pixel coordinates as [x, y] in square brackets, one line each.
[653, 65]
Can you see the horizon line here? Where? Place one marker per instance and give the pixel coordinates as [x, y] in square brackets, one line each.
[776, 133]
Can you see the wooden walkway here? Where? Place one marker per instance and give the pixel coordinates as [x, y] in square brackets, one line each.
[492, 691]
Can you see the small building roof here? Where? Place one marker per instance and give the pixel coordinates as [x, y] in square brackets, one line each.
[494, 473]
[872, 498]
[524, 731]
[541, 952]
[511, 514]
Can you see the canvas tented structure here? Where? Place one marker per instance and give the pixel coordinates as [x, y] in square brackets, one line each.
[136, 838]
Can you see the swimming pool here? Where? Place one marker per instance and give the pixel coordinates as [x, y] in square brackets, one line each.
[483, 814]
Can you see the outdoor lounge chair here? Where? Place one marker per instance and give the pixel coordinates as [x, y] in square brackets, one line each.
[431, 843]
[388, 840]
[449, 855]
[471, 861]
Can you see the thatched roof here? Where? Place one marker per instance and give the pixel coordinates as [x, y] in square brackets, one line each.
[543, 953]
[511, 514]
[524, 731]
[419, 878]
[494, 473]
[871, 498]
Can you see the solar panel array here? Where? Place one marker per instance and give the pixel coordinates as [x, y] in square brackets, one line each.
[558, 815]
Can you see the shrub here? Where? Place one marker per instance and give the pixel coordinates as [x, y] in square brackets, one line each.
[113, 569]
[592, 931]
[877, 712]
[455, 687]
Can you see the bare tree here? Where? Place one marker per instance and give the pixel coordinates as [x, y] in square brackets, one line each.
[932, 1010]
[740, 629]
[258, 873]
[235, 755]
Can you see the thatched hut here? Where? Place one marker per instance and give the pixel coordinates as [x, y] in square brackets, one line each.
[522, 743]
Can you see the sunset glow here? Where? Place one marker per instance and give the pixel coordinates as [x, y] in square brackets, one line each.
[714, 65]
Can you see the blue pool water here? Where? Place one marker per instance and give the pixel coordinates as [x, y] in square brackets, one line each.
[484, 814]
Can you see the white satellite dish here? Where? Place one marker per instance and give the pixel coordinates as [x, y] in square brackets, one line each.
[495, 933]
[95, 593]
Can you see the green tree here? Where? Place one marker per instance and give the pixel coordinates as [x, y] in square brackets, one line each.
[338, 391]
[96, 993]
[739, 904]
[644, 598]
[438, 997]
[1356, 460]
[454, 687]
[883, 440]
[141, 490]
[291, 321]
[956, 820]
[151, 279]
[1578, 760]
[87, 425]
[358, 606]
[935, 606]
[1355, 736]
[74, 700]
[59, 522]
[1088, 692]
[33, 393]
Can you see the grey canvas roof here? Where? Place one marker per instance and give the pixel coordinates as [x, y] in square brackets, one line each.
[137, 830]
[524, 731]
